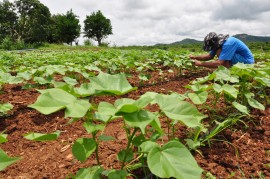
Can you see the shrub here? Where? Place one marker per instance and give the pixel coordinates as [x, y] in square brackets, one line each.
[88, 42]
[7, 43]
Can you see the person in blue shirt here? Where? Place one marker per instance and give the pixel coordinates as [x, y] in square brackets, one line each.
[229, 51]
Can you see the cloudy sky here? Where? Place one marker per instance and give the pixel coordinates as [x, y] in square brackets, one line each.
[147, 22]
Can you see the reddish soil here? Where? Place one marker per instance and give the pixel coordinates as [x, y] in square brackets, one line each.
[238, 152]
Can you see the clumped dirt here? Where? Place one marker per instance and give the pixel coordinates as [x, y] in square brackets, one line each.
[242, 151]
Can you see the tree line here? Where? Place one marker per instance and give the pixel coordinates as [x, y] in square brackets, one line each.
[31, 22]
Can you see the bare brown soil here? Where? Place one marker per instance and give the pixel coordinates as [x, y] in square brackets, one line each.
[239, 152]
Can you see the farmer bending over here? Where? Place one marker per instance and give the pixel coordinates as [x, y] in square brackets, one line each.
[229, 51]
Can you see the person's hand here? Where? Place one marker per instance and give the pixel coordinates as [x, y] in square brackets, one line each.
[197, 63]
[192, 57]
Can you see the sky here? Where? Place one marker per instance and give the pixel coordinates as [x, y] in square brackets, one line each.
[148, 22]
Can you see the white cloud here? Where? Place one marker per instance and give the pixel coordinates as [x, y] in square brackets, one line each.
[241, 9]
[147, 22]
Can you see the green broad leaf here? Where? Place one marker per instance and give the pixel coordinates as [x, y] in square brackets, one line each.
[197, 87]
[217, 88]
[84, 90]
[234, 79]
[77, 109]
[144, 77]
[125, 155]
[127, 108]
[25, 75]
[52, 69]
[6, 160]
[83, 148]
[156, 124]
[240, 107]
[155, 136]
[230, 90]
[4, 108]
[15, 80]
[147, 146]
[126, 105]
[199, 97]
[222, 73]
[114, 84]
[263, 80]
[90, 127]
[106, 138]
[138, 140]
[249, 95]
[255, 104]
[242, 66]
[60, 84]
[119, 174]
[90, 173]
[93, 68]
[52, 100]
[180, 110]
[42, 81]
[66, 87]
[193, 144]
[173, 160]
[3, 138]
[181, 97]
[149, 96]
[5, 77]
[70, 81]
[123, 101]
[202, 79]
[143, 101]
[139, 119]
[105, 112]
[42, 137]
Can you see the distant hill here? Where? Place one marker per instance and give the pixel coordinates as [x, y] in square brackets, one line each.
[187, 41]
[252, 38]
[243, 37]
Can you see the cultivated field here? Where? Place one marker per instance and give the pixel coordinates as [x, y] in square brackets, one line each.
[114, 113]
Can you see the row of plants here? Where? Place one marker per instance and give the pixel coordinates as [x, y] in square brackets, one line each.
[114, 59]
[242, 87]
[43, 66]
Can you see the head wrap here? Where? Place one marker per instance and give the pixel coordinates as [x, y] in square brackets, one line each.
[212, 41]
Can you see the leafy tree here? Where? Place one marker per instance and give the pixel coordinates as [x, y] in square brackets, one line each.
[8, 20]
[33, 21]
[65, 28]
[97, 27]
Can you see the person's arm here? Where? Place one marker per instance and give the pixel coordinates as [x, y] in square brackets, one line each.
[202, 57]
[214, 64]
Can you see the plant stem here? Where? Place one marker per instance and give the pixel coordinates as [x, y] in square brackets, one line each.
[173, 131]
[197, 135]
[96, 150]
[128, 146]
[168, 128]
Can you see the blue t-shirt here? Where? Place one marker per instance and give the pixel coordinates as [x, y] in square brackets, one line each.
[235, 51]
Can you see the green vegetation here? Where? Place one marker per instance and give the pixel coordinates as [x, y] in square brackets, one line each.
[29, 24]
[97, 27]
[64, 28]
[88, 72]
